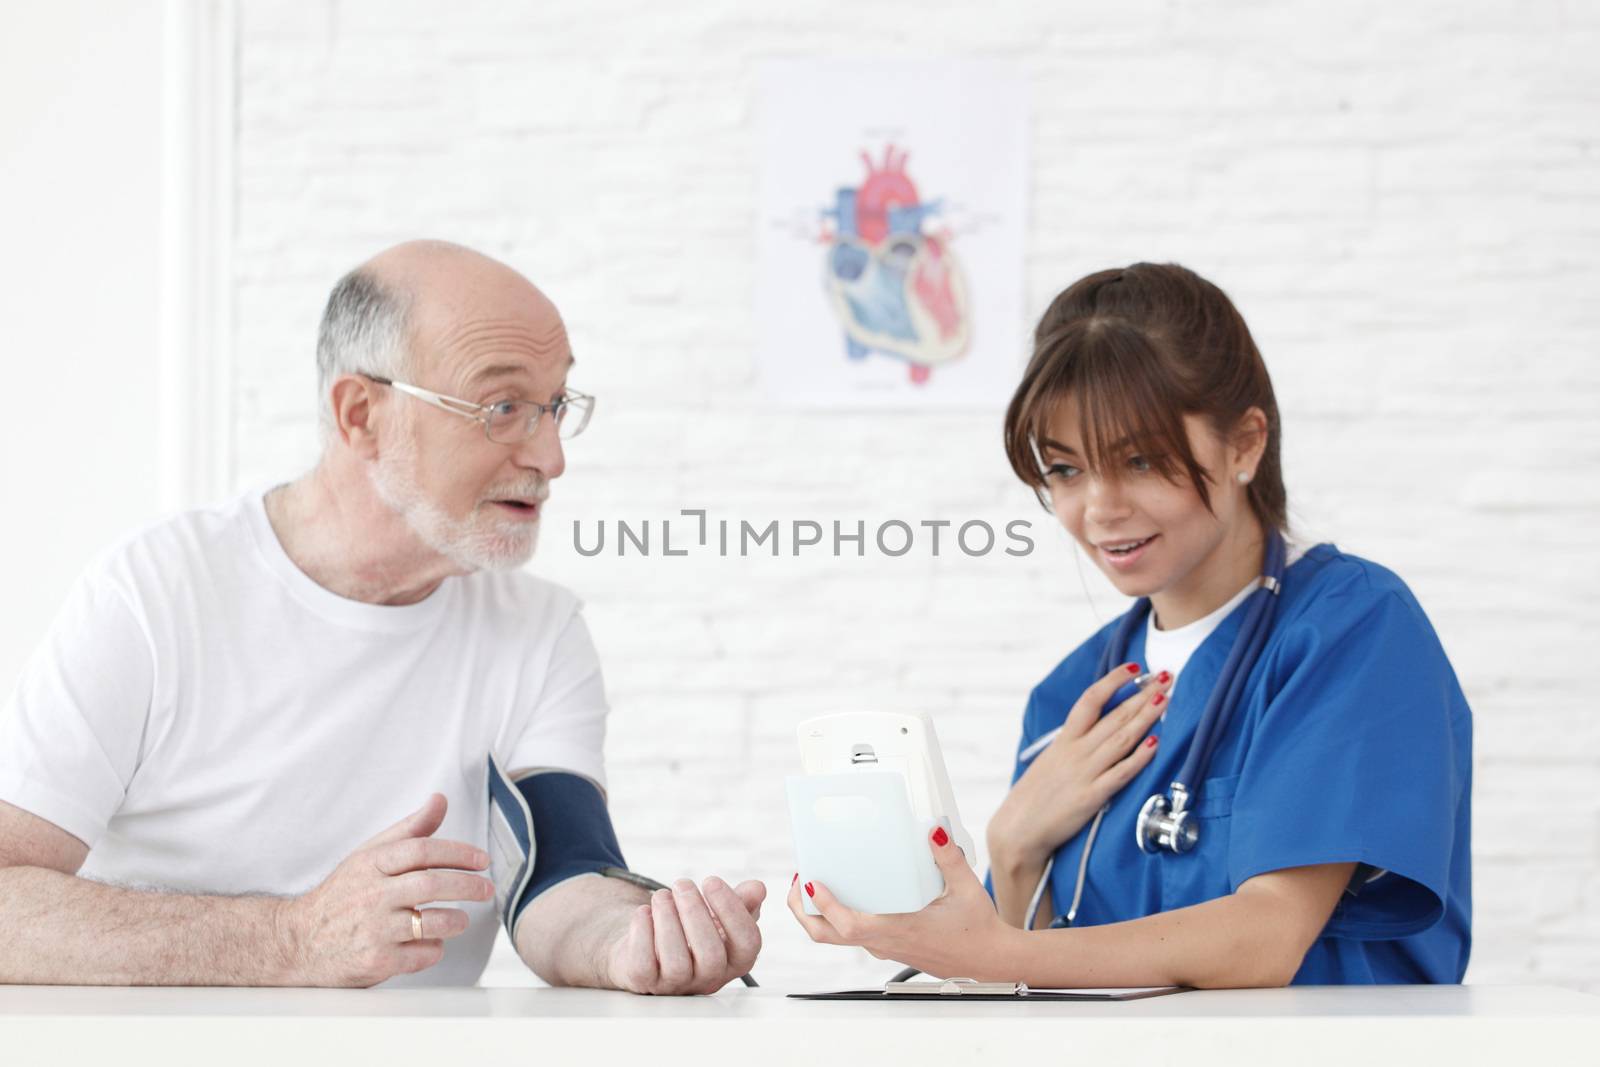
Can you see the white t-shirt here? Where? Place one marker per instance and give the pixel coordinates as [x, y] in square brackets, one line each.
[208, 719]
[1169, 650]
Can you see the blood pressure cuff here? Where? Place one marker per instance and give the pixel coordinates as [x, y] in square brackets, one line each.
[544, 828]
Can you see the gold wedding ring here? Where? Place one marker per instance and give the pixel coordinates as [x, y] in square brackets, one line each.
[416, 925]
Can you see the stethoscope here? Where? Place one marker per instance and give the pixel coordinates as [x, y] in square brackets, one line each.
[1167, 822]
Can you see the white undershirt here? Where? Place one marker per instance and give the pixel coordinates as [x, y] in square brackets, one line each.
[1169, 650]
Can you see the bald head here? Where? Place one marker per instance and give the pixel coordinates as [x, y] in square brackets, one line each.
[433, 309]
[457, 298]
[442, 280]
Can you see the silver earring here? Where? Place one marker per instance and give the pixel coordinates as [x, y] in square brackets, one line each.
[1244, 477]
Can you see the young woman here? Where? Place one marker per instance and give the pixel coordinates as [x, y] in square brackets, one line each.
[1262, 773]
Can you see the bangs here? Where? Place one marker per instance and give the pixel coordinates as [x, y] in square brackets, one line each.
[1127, 405]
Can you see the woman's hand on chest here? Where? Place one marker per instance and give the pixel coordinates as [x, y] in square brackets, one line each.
[1091, 759]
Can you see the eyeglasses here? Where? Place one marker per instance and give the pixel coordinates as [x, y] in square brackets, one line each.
[508, 421]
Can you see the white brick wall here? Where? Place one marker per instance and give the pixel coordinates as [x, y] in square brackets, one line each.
[1404, 200]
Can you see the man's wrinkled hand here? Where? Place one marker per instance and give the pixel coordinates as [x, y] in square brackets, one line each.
[357, 927]
[689, 939]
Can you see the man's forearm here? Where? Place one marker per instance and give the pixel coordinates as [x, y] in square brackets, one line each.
[63, 930]
[567, 930]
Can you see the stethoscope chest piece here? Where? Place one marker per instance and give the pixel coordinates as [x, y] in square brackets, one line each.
[1166, 825]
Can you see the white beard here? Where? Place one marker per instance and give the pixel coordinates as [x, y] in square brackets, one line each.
[478, 542]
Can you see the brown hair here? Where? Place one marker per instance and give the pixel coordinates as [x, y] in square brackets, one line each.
[1137, 349]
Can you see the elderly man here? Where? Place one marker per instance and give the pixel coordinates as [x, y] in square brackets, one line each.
[198, 764]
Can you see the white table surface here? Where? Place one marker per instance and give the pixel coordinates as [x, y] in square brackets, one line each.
[1346, 1027]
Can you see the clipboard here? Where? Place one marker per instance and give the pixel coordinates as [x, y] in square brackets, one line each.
[970, 990]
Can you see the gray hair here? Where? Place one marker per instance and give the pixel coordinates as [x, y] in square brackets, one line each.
[363, 331]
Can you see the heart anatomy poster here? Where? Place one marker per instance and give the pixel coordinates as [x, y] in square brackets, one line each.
[890, 233]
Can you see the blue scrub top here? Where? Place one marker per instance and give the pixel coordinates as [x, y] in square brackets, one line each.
[1352, 742]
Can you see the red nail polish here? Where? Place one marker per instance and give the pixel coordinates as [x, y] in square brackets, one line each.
[940, 838]
[795, 879]
[1164, 678]
[1132, 668]
[810, 892]
[1161, 698]
[1150, 742]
